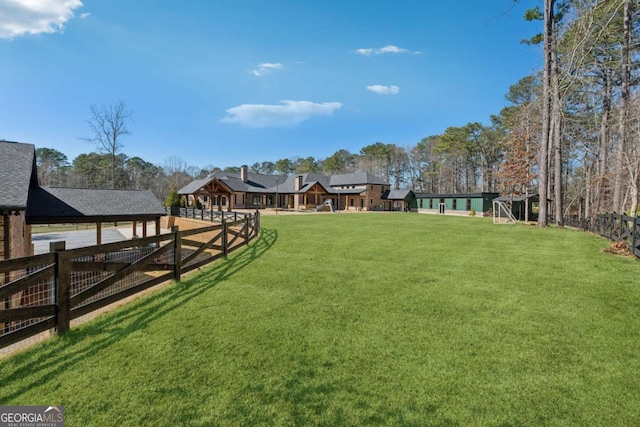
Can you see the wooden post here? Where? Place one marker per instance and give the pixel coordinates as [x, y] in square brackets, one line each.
[634, 237]
[177, 253]
[247, 233]
[62, 280]
[144, 228]
[225, 249]
[157, 226]
[98, 233]
[135, 226]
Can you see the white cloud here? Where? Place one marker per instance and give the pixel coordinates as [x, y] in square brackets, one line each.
[22, 17]
[384, 90]
[267, 67]
[385, 49]
[286, 114]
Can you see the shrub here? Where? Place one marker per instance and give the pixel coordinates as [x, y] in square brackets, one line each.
[472, 212]
[173, 201]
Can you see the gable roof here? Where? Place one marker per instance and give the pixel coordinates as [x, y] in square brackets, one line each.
[357, 178]
[398, 195]
[17, 174]
[91, 205]
[261, 183]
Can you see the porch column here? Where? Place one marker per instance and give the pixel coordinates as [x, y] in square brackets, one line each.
[135, 226]
[144, 228]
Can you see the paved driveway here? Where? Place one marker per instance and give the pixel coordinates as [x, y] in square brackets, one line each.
[75, 239]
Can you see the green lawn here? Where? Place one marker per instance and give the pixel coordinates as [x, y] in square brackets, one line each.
[372, 319]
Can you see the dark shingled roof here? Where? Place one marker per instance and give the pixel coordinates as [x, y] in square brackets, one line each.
[260, 183]
[17, 174]
[397, 194]
[90, 205]
[357, 178]
[456, 195]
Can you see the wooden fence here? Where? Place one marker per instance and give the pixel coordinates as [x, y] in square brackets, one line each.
[45, 292]
[206, 214]
[616, 227]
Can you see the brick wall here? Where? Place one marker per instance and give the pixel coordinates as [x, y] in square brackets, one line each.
[1, 236]
[19, 236]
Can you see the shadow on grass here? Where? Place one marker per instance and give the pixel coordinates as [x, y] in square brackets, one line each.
[42, 363]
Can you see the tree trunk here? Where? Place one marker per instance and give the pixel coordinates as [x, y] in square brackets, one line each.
[600, 182]
[618, 206]
[543, 178]
[556, 120]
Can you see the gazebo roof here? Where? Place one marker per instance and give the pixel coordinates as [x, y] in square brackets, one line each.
[78, 205]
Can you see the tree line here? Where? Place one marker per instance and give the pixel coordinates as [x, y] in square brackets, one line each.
[571, 132]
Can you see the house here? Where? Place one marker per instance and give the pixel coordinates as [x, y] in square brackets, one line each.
[24, 202]
[401, 200]
[245, 190]
[456, 204]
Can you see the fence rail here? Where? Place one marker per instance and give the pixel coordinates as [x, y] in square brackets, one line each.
[206, 214]
[613, 226]
[45, 292]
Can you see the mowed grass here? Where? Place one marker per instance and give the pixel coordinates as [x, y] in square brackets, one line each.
[372, 319]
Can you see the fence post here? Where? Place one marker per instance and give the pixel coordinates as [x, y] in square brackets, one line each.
[246, 230]
[177, 253]
[225, 249]
[634, 236]
[62, 280]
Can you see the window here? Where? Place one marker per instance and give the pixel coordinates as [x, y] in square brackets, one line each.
[372, 188]
[430, 203]
[371, 201]
[350, 202]
[224, 200]
[256, 199]
[468, 204]
[454, 204]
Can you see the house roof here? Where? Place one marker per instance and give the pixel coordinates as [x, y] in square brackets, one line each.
[455, 195]
[193, 186]
[49, 205]
[357, 178]
[397, 194]
[17, 174]
[261, 183]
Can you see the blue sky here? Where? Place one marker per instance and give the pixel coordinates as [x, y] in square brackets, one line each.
[226, 83]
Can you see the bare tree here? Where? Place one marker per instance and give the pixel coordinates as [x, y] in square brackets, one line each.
[108, 125]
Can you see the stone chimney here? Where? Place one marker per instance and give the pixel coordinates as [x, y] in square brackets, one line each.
[243, 173]
[297, 183]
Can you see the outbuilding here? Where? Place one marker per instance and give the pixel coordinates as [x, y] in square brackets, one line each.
[456, 203]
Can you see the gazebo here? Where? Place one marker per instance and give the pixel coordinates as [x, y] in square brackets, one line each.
[85, 205]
